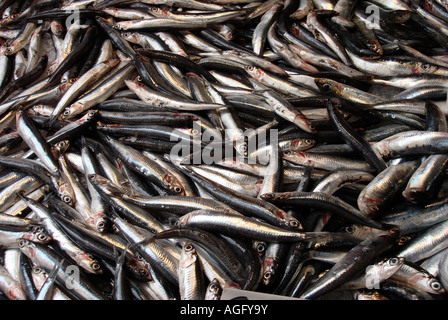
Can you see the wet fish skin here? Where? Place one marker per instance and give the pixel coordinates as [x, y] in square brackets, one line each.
[202, 77]
[356, 259]
[48, 258]
[383, 187]
[352, 138]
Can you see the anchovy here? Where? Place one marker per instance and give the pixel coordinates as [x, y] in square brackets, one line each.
[412, 142]
[75, 253]
[159, 257]
[47, 258]
[418, 278]
[47, 290]
[132, 130]
[383, 187]
[429, 242]
[321, 200]
[231, 224]
[416, 218]
[83, 82]
[104, 90]
[353, 139]
[355, 260]
[322, 33]
[191, 276]
[159, 99]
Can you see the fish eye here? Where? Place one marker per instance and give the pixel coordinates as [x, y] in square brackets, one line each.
[308, 141]
[41, 237]
[39, 229]
[37, 269]
[267, 275]
[66, 113]
[373, 45]
[101, 225]
[426, 66]
[22, 243]
[95, 266]
[287, 152]
[326, 86]
[394, 230]
[261, 247]
[144, 273]
[350, 229]
[188, 247]
[67, 199]
[213, 287]
[402, 240]
[293, 223]
[267, 196]
[177, 189]
[435, 285]
[393, 261]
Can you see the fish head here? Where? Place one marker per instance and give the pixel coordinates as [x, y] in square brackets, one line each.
[269, 266]
[375, 46]
[304, 123]
[60, 147]
[88, 263]
[38, 234]
[214, 289]
[254, 72]
[140, 268]
[424, 67]
[302, 144]
[436, 286]
[100, 222]
[188, 255]
[28, 247]
[91, 114]
[385, 268]
[134, 84]
[67, 113]
[158, 12]
[131, 37]
[119, 26]
[176, 189]
[327, 86]
[65, 192]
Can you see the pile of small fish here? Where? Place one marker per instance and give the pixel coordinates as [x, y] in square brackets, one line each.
[129, 169]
